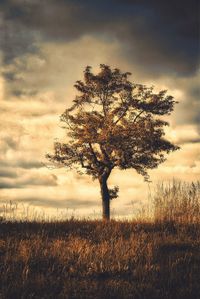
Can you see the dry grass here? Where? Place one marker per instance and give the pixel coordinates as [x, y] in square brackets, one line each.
[177, 201]
[93, 259]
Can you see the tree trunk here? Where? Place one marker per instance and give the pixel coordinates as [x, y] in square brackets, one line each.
[105, 198]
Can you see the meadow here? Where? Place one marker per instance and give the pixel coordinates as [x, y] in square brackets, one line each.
[138, 258]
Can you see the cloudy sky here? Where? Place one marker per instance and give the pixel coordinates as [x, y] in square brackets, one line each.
[44, 48]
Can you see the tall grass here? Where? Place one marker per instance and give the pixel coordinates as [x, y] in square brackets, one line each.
[177, 202]
[14, 211]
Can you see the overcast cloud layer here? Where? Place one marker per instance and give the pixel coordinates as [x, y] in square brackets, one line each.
[44, 48]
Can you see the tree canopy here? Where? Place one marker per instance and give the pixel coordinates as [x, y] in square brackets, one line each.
[114, 123]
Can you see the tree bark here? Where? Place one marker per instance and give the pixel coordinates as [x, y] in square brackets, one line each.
[105, 198]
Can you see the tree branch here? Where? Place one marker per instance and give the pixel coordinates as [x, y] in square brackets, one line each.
[109, 164]
[138, 115]
[94, 155]
[121, 115]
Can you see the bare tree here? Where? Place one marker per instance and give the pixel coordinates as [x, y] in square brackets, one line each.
[112, 124]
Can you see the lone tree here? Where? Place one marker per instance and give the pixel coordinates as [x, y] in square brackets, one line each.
[112, 124]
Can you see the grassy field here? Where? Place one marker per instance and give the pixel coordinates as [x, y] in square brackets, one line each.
[91, 259]
[117, 259]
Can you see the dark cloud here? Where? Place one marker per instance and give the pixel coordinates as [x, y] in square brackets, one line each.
[10, 142]
[187, 111]
[21, 163]
[4, 184]
[31, 180]
[40, 180]
[7, 173]
[160, 36]
[16, 39]
[50, 202]
[29, 164]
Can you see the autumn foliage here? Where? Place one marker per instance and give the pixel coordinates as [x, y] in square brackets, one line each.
[113, 124]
